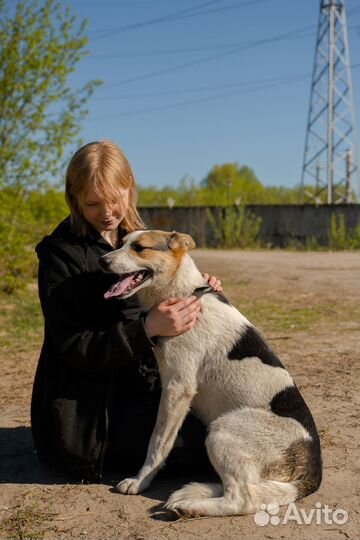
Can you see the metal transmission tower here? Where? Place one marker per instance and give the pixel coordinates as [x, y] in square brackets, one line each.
[329, 157]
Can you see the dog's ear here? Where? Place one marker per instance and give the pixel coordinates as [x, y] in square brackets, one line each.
[181, 241]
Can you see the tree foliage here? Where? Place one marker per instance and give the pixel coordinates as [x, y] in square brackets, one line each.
[229, 183]
[40, 46]
[224, 185]
[24, 220]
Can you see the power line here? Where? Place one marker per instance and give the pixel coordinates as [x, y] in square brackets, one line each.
[164, 52]
[201, 88]
[250, 45]
[293, 34]
[167, 52]
[201, 100]
[185, 50]
[156, 20]
[263, 84]
[175, 16]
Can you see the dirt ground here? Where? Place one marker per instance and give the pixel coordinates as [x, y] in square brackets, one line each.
[306, 305]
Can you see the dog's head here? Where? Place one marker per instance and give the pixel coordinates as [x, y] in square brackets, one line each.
[147, 257]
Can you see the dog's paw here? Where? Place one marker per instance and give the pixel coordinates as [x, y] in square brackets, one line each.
[130, 486]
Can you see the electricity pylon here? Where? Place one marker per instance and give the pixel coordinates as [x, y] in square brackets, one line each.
[329, 156]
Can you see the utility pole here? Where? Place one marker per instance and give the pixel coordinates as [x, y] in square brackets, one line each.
[330, 129]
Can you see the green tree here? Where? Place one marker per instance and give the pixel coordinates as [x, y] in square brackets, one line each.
[39, 112]
[41, 44]
[152, 196]
[16, 226]
[228, 183]
[47, 208]
[187, 192]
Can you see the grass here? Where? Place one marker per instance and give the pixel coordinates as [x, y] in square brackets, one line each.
[21, 321]
[290, 314]
[25, 523]
[281, 317]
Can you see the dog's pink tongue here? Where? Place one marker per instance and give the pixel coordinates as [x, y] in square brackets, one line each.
[118, 288]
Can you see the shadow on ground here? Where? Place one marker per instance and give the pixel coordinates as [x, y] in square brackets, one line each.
[19, 465]
[18, 460]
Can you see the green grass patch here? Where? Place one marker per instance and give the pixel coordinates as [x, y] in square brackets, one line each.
[281, 317]
[21, 320]
[25, 523]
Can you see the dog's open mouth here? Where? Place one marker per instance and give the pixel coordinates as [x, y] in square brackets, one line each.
[128, 284]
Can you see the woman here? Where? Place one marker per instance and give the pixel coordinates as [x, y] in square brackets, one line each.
[96, 388]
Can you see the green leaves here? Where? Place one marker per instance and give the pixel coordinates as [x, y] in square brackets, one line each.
[225, 185]
[24, 219]
[341, 236]
[234, 227]
[40, 113]
[41, 44]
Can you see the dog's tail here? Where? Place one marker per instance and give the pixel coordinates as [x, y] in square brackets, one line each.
[209, 499]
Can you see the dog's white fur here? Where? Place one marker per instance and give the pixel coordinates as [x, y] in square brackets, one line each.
[232, 397]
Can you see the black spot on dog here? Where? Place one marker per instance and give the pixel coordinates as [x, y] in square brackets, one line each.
[291, 404]
[252, 344]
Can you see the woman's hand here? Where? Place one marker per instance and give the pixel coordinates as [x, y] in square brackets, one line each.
[175, 316]
[172, 317]
[214, 282]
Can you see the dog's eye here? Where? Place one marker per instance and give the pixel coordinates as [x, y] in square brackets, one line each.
[137, 247]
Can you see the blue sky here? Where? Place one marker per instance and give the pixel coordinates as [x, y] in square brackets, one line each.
[184, 91]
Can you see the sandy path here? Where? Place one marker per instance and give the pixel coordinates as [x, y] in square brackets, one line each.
[305, 303]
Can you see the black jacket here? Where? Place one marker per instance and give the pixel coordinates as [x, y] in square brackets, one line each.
[92, 347]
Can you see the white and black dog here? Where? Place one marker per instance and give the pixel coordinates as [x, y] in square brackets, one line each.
[262, 439]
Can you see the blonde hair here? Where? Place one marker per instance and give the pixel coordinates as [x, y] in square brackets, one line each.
[104, 166]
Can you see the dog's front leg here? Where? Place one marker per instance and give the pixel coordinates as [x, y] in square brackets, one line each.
[174, 404]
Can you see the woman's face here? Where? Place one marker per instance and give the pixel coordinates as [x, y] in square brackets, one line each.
[101, 214]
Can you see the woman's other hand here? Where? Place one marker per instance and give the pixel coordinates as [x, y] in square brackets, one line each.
[214, 282]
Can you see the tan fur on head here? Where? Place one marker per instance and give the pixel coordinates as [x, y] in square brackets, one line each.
[159, 250]
[156, 256]
[181, 241]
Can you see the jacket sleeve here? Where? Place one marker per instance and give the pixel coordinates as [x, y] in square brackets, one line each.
[80, 337]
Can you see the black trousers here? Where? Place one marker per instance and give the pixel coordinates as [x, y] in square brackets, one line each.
[131, 426]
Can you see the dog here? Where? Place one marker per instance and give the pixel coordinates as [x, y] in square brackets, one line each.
[262, 440]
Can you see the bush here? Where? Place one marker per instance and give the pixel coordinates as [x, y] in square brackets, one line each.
[234, 227]
[340, 237]
[24, 220]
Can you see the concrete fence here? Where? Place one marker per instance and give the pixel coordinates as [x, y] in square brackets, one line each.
[280, 224]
